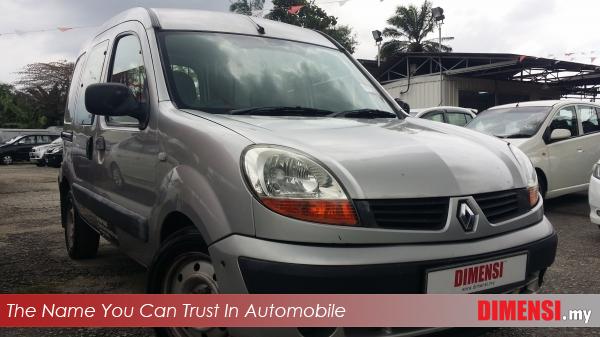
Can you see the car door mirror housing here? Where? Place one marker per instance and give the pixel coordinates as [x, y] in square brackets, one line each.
[113, 99]
[560, 134]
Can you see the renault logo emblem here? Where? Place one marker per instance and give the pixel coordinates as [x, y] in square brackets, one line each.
[466, 216]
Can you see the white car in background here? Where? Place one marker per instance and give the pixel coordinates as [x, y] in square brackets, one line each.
[594, 195]
[445, 114]
[37, 154]
[560, 137]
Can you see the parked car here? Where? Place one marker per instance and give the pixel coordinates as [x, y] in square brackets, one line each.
[275, 163]
[7, 134]
[561, 137]
[38, 153]
[446, 114]
[18, 148]
[594, 195]
[54, 157]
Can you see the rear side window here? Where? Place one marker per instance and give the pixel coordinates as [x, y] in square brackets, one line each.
[73, 89]
[43, 139]
[436, 116]
[92, 71]
[589, 119]
[128, 68]
[456, 118]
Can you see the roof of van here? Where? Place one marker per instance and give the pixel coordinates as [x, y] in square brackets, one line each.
[198, 20]
[542, 103]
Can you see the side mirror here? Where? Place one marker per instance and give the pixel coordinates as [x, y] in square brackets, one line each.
[112, 99]
[560, 134]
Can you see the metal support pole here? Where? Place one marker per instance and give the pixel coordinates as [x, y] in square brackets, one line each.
[378, 54]
[440, 56]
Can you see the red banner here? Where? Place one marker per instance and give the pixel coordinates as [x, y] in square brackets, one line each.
[228, 310]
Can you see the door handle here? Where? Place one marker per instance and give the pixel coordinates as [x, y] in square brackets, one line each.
[580, 150]
[100, 144]
[67, 135]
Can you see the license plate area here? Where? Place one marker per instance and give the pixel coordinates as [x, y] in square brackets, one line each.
[477, 276]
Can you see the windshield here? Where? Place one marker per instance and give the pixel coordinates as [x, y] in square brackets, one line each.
[514, 122]
[14, 139]
[218, 73]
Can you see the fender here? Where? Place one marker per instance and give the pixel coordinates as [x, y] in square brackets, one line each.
[209, 203]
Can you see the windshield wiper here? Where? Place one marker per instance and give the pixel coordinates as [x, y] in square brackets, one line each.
[516, 135]
[282, 111]
[364, 113]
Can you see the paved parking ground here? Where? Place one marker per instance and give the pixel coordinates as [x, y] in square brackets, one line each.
[33, 259]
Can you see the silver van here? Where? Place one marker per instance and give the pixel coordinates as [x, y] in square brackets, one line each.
[232, 154]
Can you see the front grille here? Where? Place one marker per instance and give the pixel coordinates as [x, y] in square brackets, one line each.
[405, 214]
[504, 205]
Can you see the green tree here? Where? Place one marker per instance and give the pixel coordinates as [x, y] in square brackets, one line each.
[9, 110]
[310, 16]
[246, 6]
[44, 87]
[410, 28]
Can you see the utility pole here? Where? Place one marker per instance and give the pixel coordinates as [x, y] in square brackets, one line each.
[438, 16]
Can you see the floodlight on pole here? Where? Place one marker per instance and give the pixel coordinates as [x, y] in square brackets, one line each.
[438, 14]
[378, 37]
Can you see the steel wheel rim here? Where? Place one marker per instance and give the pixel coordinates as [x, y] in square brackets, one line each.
[7, 160]
[192, 273]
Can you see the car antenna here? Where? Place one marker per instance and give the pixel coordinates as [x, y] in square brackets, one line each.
[259, 28]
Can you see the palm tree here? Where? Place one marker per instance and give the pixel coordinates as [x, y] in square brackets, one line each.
[411, 25]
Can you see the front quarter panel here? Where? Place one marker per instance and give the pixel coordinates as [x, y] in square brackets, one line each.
[200, 176]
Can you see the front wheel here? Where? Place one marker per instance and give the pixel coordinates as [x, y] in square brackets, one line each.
[182, 268]
[81, 240]
[7, 159]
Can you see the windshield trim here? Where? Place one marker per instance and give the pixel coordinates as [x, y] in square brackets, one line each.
[537, 130]
[164, 60]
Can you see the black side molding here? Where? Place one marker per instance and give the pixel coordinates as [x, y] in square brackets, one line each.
[117, 215]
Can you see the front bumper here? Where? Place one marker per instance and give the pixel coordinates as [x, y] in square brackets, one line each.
[35, 156]
[251, 265]
[594, 196]
[54, 159]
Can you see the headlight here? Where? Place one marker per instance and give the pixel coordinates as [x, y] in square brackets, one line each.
[292, 184]
[596, 171]
[530, 175]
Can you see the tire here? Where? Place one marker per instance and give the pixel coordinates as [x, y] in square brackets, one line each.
[41, 162]
[543, 187]
[80, 239]
[182, 267]
[7, 160]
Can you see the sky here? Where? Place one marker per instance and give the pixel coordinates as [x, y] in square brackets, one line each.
[541, 28]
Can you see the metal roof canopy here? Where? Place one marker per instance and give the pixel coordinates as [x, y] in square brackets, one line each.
[573, 79]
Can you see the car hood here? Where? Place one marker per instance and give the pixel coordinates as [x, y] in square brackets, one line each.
[391, 158]
[41, 147]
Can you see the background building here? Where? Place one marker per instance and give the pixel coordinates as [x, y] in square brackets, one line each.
[482, 80]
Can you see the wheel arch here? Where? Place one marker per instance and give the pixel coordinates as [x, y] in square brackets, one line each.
[542, 178]
[176, 222]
